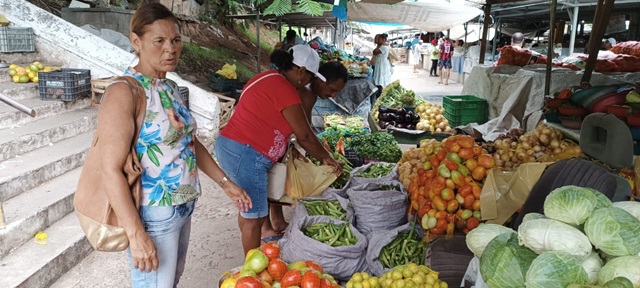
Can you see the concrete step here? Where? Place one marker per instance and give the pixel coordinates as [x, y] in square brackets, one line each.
[36, 265]
[10, 117]
[19, 91]
[26, 172]
[36, 209]
[39, 133]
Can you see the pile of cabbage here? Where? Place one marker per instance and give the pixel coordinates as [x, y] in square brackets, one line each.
[582, 239]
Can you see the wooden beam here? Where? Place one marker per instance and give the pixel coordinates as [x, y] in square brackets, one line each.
[485, 27]
[600, 22]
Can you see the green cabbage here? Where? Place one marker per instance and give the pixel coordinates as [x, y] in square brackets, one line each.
[555, 270]
[570, 204]
[625, 266]
[614, 231]
[602, 201]
[504, 263]
[592, 265]
[633, 207]
[542, 235]
[532, 216]
[478, 238]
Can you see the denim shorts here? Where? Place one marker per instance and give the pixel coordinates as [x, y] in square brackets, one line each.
[169, 227]
[249, 169]
[446, 63]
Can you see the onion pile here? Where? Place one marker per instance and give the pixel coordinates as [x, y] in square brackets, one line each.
[540, 145]
[432, 118]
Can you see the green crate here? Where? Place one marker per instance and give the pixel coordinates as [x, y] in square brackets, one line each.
[455, 121]
[458, 105]
[222, 84]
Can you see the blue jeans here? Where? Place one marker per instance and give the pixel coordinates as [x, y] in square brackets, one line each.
[249, 169]
[169, 228]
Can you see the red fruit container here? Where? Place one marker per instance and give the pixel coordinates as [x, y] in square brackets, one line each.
[614, 99]
[621, 111]
[572, 111]
[633, 120]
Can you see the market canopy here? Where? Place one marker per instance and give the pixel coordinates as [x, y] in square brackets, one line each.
[426, 15]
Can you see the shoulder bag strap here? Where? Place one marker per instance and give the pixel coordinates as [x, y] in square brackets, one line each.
[258, 80]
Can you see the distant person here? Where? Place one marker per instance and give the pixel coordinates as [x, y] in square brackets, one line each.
[290, 40]
[517, 40]
[382, 73]
[446, 49]
[375, 56]
[607, 44]
[435, 55]
[416, 54]
[415, 41]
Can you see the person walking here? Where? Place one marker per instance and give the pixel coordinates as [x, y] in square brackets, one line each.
[382, 72]
[268, 113]
[444, 62]
[170, 155]
[416, 54]
[435, 55]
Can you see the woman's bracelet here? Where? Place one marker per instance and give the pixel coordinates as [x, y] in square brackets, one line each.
[223, 181]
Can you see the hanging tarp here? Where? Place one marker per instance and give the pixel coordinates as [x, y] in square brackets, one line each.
[426, 15]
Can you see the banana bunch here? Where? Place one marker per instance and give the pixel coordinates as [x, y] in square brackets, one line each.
[633, 97]
[228, 71]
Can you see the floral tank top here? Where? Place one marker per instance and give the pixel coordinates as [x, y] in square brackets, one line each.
[165, 146]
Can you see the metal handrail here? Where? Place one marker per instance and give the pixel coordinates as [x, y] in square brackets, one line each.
[15, 104]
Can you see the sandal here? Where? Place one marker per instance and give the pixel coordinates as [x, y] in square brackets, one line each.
[439, 82]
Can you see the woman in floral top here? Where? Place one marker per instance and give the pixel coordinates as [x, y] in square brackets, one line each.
[169, 154]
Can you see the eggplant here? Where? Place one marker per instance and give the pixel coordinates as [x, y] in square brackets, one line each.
[416, 117]
[401, 112]
[394, 117]
[383, 117]
[411, 127]
[400, 125]
[383, 109]
[408, 119]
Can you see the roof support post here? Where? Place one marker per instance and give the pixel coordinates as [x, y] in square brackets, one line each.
[280, 28]
[574, 28]
[258, 37]
[551, 45]
[600, 21]
[485, 26]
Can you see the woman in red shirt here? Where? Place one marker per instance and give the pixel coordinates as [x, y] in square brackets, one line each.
[257, 135]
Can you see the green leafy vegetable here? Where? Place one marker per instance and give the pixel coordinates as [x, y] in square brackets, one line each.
[377, 170]
[570, 204]
[504, 263]
[555, 270]
[379, 146]
[614, 231]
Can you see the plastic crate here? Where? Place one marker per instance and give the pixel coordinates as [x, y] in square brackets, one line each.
[221, 84]
[184, 94]
[458, 105]
[65, 85]
[455, 121]
[16, 39]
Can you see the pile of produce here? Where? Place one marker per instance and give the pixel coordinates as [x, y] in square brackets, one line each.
[404, 249]
[331, 234]
[543, 144]
[432, 118]
[412, 275]
[228, 71]
[582, 239]
[397, 117]
[350, 125]
[28, 73]
[330, 208]
[263, 268]
[363, 279]
[415, 158]
[379, 146]
[377, 170]
[446, 190]
[395, 96]
[338, 155]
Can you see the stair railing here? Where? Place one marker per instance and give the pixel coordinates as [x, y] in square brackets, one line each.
[15, 104]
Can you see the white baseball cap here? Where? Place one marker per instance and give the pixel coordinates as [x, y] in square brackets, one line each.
[305, 56]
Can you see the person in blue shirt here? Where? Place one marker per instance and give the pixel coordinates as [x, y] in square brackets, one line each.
[415, 41]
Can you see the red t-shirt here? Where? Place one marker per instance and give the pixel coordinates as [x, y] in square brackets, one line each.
[258, 119]
[445, 50]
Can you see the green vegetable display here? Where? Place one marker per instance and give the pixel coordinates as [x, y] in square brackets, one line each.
[478, 238]
[542, 235]
[325, 207]
[379, 146]
[331, 234]
[404, 249]
[377, 170]
[570, 204]
[614, 231]
[555, 270]
[392, 96]
[504, 263]
[626, 266]
[346, 169]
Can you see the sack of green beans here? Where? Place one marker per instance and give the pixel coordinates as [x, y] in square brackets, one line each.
[374, 172]
[336, 245]
[378, 206]
[390, 248]
[331, 205]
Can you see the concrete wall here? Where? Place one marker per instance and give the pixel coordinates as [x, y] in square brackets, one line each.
[101, 18]
[58, 41]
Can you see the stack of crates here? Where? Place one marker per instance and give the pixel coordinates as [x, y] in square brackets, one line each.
[465, 109]
[64, 85]
[16, 39]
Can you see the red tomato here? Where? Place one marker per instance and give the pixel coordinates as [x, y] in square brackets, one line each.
[249, 282]
[277, 268]
[291, 278]
[272, 250]
[472, 223]
[325, 283]
[310, 280]
[265, 276]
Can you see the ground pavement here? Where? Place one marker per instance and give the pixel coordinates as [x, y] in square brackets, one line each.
[215, 240]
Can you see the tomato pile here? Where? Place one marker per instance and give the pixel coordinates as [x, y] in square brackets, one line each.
[446, 190]
[263, 268]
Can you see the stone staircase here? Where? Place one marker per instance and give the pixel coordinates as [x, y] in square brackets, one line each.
[40, 162]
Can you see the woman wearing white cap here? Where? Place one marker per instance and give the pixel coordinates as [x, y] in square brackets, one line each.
[269, 111]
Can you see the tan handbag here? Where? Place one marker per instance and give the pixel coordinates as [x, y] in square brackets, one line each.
[92, 207]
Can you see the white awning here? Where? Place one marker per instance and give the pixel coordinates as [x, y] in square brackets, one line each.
[426, 15]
